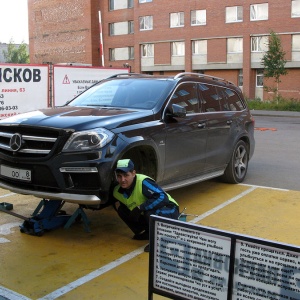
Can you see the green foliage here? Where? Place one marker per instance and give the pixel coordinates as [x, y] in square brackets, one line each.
[15, 54]
[273, 60]
[279, 104]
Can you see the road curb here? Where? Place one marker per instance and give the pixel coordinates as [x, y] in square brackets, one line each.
[269, 113]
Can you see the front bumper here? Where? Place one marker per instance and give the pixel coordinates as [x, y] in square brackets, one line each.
[67, 197]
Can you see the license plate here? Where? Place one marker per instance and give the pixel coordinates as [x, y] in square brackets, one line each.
[15, 173]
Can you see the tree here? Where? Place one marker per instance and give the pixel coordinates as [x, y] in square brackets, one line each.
[15, 54]
[274, 61]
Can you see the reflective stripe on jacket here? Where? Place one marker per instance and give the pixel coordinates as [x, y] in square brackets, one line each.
[137, 197]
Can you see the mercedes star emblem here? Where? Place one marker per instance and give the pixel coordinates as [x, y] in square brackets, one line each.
[15, 142]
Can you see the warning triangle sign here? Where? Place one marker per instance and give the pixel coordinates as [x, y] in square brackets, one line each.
[66, 80]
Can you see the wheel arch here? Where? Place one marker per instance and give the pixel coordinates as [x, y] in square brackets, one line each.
[146, 157]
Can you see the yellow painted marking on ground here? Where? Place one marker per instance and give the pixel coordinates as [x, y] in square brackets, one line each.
[52, 263]
[202, 197]
[267, 214]
[62, 256]
[126, 282]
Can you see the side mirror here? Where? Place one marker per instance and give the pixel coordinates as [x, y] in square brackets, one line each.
[177, 111]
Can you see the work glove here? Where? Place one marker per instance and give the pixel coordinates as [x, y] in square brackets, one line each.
[135, 214]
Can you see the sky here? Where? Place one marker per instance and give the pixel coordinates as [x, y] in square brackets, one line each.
[13, 21]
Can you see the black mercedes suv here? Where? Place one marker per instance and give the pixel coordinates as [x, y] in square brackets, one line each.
[178, 130]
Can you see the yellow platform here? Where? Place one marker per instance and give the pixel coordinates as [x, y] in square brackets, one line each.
[106, 263]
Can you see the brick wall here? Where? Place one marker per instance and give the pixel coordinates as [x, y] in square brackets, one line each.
[60, 31]
[68, 31]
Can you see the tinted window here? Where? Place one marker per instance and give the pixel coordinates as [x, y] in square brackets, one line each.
[234, 101]
[210, 98]
[223, 99]
[186, 96]
[129, 93]
[215, 98]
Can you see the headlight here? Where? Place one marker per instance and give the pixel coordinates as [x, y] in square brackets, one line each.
[88, 140]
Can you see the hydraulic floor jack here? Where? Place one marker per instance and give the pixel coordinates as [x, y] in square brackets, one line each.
[47, 216]
[183, 215]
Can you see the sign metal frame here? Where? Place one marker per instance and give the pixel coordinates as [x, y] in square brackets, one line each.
[190, 261]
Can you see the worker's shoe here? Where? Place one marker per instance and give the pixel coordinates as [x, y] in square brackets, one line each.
[147, 248]
[142, 236]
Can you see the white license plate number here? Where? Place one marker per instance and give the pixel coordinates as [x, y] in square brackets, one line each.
[19, 174]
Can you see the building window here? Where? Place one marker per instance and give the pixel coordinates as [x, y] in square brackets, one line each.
[148, 50]
[235, 45]
[131, 52]
[120, 4]
[199, 47]
[296, 42]
[234, 14]
[146, 23]
[198, 17]
[121, 28]
[240, 78]
[259, 43]
[124, 53]
[178, 49]
[259, 12]
[144, 1]
[259, 78]
[177, 19]
[130, 27]
[295, 8]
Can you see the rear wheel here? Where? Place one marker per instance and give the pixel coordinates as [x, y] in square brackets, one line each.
[237, 168]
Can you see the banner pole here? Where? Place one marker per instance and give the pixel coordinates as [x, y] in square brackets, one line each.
[101, 39]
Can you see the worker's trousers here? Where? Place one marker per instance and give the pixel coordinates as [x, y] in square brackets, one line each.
[142, 224]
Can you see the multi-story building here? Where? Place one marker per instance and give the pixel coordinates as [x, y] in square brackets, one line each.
[221, 38]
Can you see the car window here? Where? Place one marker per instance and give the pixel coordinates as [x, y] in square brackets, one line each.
[209, 97]
[224, 106]
[186, 96]
[234, 101]
[100, 94]
[127, 93]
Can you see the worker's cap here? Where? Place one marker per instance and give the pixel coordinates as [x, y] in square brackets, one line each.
[125, 165]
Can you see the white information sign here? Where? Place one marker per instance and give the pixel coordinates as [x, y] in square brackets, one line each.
[22, 88]
[266, 272]
[190, 263]
[70, 81]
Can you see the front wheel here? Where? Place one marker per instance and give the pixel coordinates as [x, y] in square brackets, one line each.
[237, 168]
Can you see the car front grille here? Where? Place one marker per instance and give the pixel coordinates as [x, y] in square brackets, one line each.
[31, 142]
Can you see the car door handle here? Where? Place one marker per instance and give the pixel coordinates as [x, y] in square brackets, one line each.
[202, 125]
[229, 122]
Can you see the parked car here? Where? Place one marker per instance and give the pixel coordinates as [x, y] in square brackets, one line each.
[178, 130]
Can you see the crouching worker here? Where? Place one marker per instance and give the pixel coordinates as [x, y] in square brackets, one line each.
[137, 197]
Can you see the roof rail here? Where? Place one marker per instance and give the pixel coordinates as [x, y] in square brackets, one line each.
[179, 75]
[129, 74]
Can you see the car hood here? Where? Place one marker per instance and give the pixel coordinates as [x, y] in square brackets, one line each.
[80, 118]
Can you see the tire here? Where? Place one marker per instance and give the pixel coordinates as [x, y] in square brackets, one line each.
[236, 170]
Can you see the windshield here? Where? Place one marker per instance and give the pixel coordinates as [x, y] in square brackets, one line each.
[128, 93]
